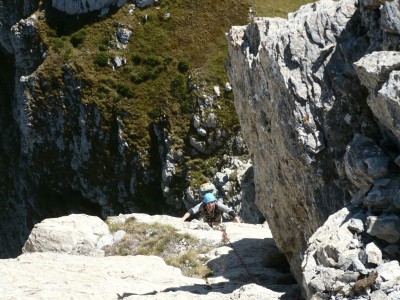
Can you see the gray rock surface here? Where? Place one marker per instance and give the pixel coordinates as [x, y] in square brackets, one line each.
[62, 272]
[73, 234]
[364, 161]
[76, 7]
[333, 263]
[60, 276]
[288, 87]
[379, 73]
[144, 3]
[317, 98]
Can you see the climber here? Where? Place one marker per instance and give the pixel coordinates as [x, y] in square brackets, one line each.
[212, 210]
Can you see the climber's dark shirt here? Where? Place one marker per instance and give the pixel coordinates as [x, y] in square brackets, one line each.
[214, 216]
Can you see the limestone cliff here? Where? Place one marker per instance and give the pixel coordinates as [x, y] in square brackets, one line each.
[318, 127]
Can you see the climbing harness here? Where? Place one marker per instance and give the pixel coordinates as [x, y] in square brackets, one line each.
[225, 239]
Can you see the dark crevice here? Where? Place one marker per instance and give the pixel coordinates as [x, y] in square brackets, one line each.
[53, 204]
[9, 146]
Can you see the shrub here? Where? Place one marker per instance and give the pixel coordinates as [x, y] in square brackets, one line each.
[180, 92]
[141, 76]
[51, 32]
[154, 113]
[58, 44]
[183, 66]
[101, 59]
[67, 54]
[78, 38]
[233, 176]
[152, 61]
[125, 90]
[136, 59]
[103, 45]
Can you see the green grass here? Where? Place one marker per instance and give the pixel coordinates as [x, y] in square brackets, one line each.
[193, 35]
[280, 8]
[179, 250]
[160, 56]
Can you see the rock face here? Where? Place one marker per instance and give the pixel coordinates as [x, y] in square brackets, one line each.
[77, 7]
[63, 272]
[308, 91]
[354, 254]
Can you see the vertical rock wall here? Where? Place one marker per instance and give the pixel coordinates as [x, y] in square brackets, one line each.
[300, 103]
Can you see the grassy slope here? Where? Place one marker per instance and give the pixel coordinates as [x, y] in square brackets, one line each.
[150, 84]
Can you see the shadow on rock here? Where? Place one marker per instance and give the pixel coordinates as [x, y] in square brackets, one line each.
[248, 261]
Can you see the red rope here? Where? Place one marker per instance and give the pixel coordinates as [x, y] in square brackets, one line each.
[225, 238]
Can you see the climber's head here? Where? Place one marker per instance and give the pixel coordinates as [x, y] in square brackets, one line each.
[209, 198]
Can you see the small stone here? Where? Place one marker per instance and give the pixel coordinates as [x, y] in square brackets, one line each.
[119, 235]
[359, 267]
[201, 131]
[379, 295]
[123, 35]
[356, 225]
[217, 90]
[374, 254]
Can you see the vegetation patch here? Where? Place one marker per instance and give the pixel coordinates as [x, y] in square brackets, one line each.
[164, 60]
[159, 52]
[179, 250]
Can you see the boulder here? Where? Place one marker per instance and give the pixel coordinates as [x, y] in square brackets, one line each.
[385, 227]
[364, 161]
[73, 234]
[379, 73]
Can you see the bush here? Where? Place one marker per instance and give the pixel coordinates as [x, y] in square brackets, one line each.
[136, 59]
[67, 54]
[103, 45]
[51, 32]
[58, 44]
[101, 59]
[141, 76]
[180, 92]
[183, 66]
[78, 38]
[152, 61]
[125, 90]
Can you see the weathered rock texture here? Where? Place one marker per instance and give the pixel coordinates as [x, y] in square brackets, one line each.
[354, 254]
[76, 7]
[318, 126]
[53, 253]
